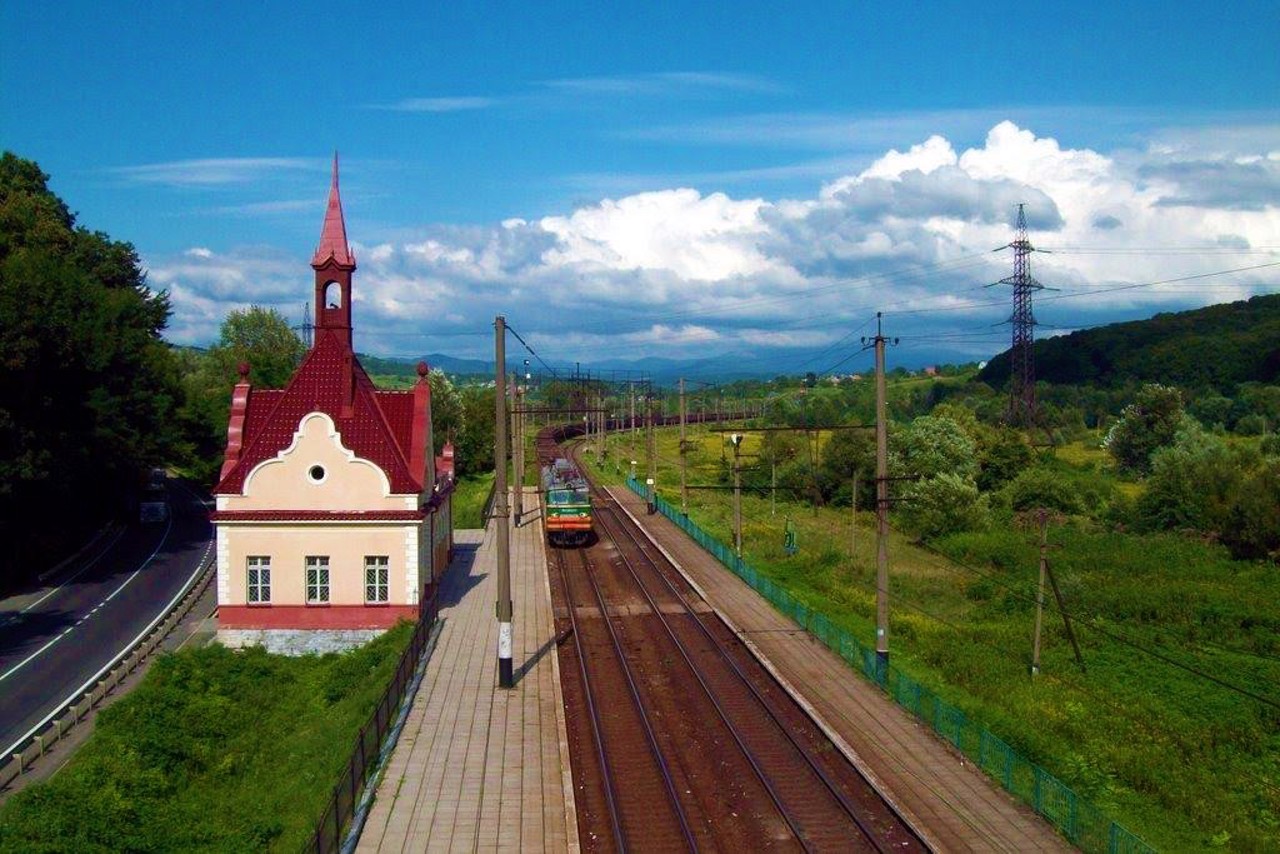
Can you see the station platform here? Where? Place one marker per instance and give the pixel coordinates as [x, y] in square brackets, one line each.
[476, 767]
[953, 804]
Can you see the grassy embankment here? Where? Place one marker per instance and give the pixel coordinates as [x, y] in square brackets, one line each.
[215, 751]
[469, 497]
[1173, 756]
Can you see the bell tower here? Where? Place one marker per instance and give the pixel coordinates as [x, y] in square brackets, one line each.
[334, 264]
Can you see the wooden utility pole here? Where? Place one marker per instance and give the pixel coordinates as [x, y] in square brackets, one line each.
[1044, 563]
[773, 487]
[602, 416]
[1046, 572]
[684, 486]
[652, 444]
[632, 387]
[882, 509]
[1066, 618]
[853, 532]
[736, 439]
[500, 508]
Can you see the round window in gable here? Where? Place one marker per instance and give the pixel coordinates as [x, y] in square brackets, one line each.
[316, 473]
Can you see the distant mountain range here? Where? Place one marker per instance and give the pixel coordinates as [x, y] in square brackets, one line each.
[725, 367]
[1217, 347]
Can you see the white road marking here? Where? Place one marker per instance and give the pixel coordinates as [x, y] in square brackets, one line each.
[182, 591]
[78, 573]
[112, 663]
[133, 575]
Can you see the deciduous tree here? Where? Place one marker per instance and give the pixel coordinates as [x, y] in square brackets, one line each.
[1150, 422]
[88, 388]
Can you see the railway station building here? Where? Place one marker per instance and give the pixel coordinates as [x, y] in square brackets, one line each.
[333, 514]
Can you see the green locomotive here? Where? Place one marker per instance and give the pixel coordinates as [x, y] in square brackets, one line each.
[566, 502]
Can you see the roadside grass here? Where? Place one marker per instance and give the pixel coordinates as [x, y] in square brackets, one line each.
[215, 751]
[1162, 747]
[469, 497]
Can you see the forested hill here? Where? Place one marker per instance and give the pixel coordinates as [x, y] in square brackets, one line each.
[1217, 347]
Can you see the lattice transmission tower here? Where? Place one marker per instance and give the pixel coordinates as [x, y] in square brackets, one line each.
[1022, 368]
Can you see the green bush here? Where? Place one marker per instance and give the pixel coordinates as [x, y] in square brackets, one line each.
[1149, 423]
[1002, 455]
[1253, 528]
[930, 446]
[1040, 487]
[944, 505]
[1251, 425]
[1193, 484]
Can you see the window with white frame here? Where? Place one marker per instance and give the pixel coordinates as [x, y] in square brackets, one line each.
[259, 579]
[375, 578]
[317, 579]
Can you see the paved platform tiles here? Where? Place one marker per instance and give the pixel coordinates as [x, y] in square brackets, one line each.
[957, 806]
[478, 768]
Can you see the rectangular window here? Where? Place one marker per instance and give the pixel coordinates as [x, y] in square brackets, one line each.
[375, 578]
[259, 579]
[317, 579]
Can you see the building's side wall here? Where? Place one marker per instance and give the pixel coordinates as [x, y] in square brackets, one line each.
[442, 536]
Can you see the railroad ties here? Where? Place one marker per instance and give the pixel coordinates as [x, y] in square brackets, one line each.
[679, 737]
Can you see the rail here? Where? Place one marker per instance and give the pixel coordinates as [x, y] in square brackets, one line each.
[855, 814]
[1083, 824]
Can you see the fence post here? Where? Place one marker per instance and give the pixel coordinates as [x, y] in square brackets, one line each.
[363, 761]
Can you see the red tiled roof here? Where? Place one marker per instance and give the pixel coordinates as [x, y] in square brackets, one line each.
[375, 425]
[397, 406]
[317, 516]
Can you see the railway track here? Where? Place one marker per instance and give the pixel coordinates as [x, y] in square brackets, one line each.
[728, 759]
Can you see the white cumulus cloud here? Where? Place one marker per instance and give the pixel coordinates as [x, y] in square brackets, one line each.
[680, 271]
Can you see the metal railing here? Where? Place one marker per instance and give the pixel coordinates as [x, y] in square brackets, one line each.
[73, 712]
[1083, 824]
[363, 762]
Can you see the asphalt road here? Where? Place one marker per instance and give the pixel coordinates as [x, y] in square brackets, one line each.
[55, 641]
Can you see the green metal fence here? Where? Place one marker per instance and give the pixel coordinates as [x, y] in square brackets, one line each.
[1075, 818]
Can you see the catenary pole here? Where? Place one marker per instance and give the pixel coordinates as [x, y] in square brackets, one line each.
[882, 511]
[517, 448]
[500, 509]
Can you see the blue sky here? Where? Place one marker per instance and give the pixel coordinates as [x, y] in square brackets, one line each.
[665, 181]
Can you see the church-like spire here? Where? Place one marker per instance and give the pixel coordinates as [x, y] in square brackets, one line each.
[334, 265]
[333, 236]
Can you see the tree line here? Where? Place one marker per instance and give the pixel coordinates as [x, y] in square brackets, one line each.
[958, 467]
[92, 397]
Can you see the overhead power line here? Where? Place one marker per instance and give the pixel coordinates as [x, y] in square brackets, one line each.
[533, 352]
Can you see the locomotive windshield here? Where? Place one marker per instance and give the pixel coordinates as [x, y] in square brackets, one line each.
[565, 497]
